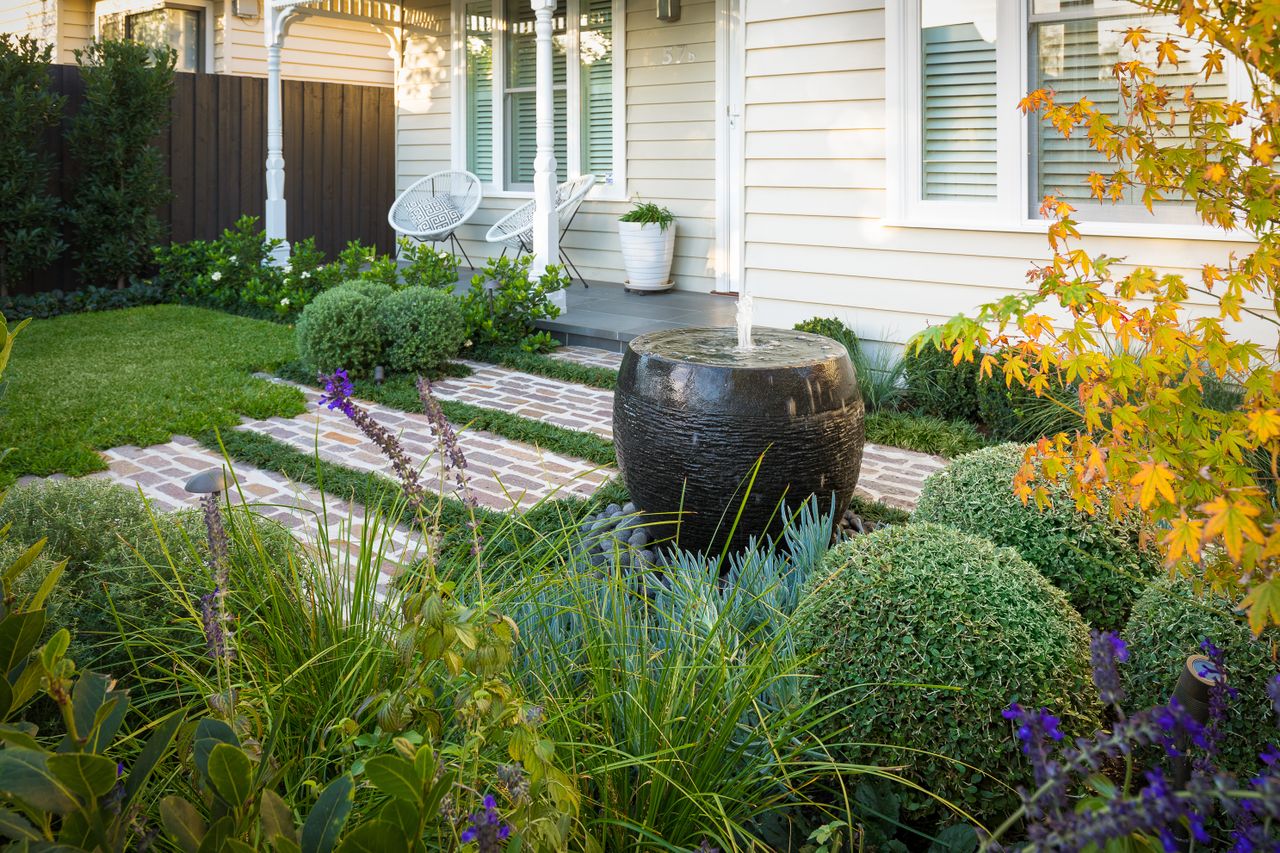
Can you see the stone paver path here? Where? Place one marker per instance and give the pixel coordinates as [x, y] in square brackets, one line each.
[161, 472]
[503, 474]
[589, 356]
[561, 403]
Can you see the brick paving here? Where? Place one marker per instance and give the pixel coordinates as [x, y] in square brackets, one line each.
[161, 472]
[561, 403]
[589, 356]
[503, 474]
[894, 476]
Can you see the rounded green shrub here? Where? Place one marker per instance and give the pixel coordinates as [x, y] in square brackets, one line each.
[921, 636]
[423, 328]
[339, 329]
[1099, 561]
[936, 386]
[375, 290]
[1169, 622]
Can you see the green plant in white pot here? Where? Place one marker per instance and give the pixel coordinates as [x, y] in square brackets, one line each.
[648, 236]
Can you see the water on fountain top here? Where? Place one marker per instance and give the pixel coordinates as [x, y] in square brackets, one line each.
[770, 348]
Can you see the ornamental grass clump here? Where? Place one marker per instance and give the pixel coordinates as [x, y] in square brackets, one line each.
[919, 635]
[1100, 561]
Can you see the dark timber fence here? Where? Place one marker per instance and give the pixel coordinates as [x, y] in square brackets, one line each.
[339, 152]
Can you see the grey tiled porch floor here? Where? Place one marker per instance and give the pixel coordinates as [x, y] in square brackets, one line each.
[606, 315]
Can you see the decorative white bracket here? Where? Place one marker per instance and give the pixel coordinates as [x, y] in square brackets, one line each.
[277, 22]
[546, 228]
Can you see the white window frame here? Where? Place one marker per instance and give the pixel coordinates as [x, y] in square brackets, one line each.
[611, 190]
[1011, 209]
[136, 7]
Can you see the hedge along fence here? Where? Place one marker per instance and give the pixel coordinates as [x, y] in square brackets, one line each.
[339, 149]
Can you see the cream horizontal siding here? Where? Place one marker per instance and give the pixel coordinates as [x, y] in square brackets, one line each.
[670, 102]
[75, 28]
[35, 18]
[317, 47]
[816, 180]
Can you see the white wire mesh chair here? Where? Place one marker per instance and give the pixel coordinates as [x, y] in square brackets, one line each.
[435, 207]
[515, 230]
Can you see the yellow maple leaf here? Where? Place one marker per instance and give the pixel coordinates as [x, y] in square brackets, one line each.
[1262, 603]
[1167, 51]
[1135, 36]
[1214, 172]
[1184, 538]
[1265, 423]
[1151, 480]
[1264, 152]
[1233, 521]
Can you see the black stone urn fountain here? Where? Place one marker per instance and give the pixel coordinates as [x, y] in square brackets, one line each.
[695, 411]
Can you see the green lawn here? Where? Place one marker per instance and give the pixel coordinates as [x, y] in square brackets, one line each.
[92, 381]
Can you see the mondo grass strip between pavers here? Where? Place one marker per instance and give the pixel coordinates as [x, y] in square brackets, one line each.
[372, 490]
[544, 365]
[400, 391]
[81, 383]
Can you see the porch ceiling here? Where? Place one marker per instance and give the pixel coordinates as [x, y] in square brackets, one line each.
[378, 12]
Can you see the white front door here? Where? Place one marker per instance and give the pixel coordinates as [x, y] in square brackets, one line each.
[730, 192]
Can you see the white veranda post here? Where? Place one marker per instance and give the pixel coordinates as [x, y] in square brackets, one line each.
[546, 230]
[275, 207]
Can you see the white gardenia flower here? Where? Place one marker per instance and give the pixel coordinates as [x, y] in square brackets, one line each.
[305, 274]
[284, 301]
[217, 276]
[234, 258]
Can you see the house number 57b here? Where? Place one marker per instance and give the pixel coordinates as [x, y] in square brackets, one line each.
[676, 54]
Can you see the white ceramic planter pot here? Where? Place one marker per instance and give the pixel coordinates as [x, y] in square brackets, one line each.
[646, 254]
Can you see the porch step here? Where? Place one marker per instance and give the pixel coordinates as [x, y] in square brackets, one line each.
[607, 316]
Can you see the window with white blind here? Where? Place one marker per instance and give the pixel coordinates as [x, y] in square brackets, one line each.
[964, 153]
[497, 113]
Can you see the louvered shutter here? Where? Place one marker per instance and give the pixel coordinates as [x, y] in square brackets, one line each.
[596, 52]
[521, 100]
[958, 112]
[479, 58]
[1076, 60]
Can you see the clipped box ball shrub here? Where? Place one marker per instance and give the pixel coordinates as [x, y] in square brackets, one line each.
[936, 386]
[339, 329]
[1169, 622]
[922, 604]
[1099, 561]
[423, 328]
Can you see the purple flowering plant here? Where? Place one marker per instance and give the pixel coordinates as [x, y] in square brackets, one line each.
[460, 654]
[1152, 808]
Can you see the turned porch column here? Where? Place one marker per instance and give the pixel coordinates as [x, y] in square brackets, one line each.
[275, 222]
[546, 230]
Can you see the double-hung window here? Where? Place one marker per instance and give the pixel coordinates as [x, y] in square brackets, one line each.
[497, 109]
[965, 153]
[183, 27]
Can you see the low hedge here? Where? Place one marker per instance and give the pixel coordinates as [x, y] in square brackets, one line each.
[1169, 622]
[339, 329]
[1100, 562]
[921, 636]
[423, 328]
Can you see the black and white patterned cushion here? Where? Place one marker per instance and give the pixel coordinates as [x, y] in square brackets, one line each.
[432, 215]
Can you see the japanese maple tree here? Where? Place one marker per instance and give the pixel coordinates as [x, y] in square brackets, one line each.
[1150, 351]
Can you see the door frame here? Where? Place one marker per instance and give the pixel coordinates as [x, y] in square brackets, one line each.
[730, 144]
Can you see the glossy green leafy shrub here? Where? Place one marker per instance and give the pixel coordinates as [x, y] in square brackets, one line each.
[423, 328]
[504, 302]
[921, 636]
[237, 272]
[340, 329]
[1098, 560]
[1169, 622]
[940, 388]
